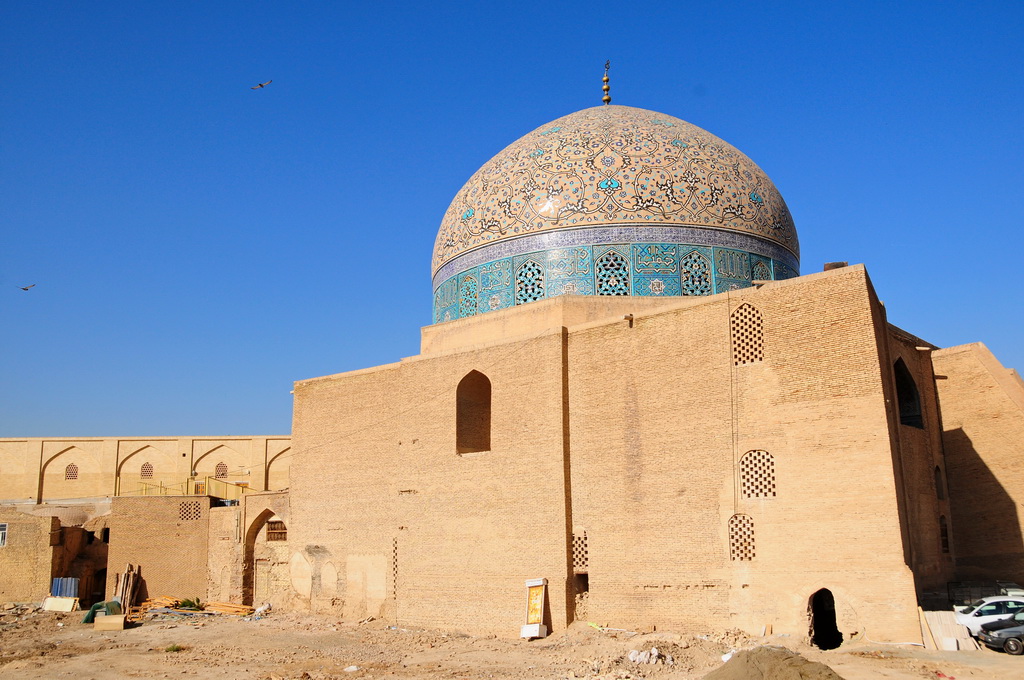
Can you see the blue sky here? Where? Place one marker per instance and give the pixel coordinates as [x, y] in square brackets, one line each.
[197, 246]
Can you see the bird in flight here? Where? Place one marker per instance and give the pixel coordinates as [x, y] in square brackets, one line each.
[27, 287]
[256, 87]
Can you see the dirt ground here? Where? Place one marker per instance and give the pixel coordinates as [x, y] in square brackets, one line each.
[280, 646]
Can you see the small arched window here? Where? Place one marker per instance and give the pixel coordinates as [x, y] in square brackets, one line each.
[473, 414]
[71, 471]
[940, 491]
[147, 471]
[757, 475]
[221, 470]
[747, 330]
[907, 396]
[944, 534]
[741, 538]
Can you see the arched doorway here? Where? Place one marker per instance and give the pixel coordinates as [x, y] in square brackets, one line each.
[264, 559]
[823, 631]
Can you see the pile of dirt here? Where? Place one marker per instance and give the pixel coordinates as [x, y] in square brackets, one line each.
[771, 663]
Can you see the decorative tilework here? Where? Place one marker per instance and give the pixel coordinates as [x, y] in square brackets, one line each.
[695, 272]
[568, 263]
[612, 275]
[723, 285]
[468, 296]
[732, 264]
[529, 282]
[613, 165]
[577, 286]
[760, 269]
[634, 233]
[784, 271]
[496, 275]
[651, 269]
[655, 258]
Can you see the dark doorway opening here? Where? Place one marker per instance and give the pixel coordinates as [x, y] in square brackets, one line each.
[822, 608]
[581, 593]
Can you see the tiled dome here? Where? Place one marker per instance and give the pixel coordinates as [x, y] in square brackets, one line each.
[664, 195]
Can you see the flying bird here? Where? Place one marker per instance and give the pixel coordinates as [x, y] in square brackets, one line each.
[256, 87]
[27, 287]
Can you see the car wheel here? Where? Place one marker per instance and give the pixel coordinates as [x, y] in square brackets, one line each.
[1013, 646]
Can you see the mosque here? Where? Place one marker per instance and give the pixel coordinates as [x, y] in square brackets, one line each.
[629, 395]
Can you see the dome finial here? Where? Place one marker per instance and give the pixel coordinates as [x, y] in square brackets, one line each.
[607, 98]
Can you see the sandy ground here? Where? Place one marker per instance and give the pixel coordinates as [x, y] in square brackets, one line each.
[301, 647]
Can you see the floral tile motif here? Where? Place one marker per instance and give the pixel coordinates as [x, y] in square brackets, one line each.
[614, 165]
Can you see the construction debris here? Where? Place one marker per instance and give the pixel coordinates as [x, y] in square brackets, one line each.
[228, 608]
[126, 586]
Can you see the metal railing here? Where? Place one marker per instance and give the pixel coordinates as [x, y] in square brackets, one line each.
[193, 486]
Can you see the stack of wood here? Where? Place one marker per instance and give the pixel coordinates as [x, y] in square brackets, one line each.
[155, 602]
[228, 608]
[126, 586]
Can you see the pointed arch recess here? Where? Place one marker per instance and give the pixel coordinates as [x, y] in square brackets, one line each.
[473, 414]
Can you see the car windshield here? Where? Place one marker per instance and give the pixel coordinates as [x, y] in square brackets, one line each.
[976, 604]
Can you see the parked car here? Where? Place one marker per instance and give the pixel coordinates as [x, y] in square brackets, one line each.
[1005, 634]
[1010, 588]
[986, 610]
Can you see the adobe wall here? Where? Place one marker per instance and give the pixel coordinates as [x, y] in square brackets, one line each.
[387, 519]
[224, 554]
[27, 561]
[983, 435]
[661, 419]
[38, 468]
[168, 538]
[234, 530]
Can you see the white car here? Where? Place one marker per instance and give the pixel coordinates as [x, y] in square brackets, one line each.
[988, 609]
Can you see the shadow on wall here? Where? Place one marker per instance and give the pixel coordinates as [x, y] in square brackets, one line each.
[985, 531]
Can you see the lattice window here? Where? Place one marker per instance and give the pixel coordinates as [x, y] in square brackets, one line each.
[190, 510]
[71, 471]
[747, 335]
[529, 282]
[612, 274]
[147, 471]
[469, 292]
[394, 567]
[580, 554]
[944, 534]
[696, 273]
[741, 538]
[757, 475]
[221, 470]
[276, 530]
[761, 272]
[200, 488]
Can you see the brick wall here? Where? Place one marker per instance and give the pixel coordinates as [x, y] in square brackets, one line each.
[54, 469]
[983, 435]
[376, 458]
[168, 537]
[661, 418]
[27, 561]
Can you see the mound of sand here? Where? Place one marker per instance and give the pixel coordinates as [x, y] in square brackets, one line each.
[771, 663]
